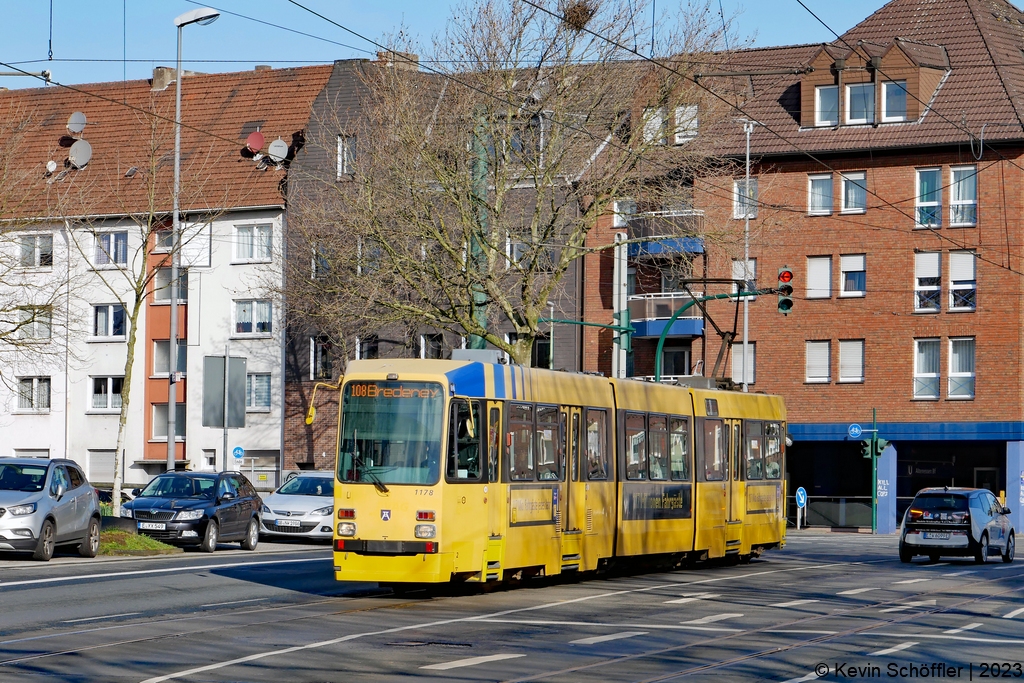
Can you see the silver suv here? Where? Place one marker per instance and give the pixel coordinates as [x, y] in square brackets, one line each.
[956, 521]
[47, 503]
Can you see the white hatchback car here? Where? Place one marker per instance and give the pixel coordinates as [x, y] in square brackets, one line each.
[302, 507]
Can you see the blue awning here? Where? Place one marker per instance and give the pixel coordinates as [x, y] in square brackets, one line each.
[684, 327]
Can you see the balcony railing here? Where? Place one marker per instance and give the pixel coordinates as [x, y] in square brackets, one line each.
[661, 306]
[655, 224]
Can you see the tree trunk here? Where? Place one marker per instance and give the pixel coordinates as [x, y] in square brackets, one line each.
[122, 419]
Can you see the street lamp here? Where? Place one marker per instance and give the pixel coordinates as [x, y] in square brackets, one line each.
[201, 16]
[748, 128]
[551, 337]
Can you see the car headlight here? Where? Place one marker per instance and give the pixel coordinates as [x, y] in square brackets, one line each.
[186, 515]
[323, 512]
[266, 510]
[126, 512]
[26, 509]
[425, 531]
[347, 529]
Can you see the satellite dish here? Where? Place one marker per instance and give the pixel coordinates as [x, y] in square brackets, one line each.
[76, 123]
[80, 154]
[51, 166]
[254, 143]
[278, 150]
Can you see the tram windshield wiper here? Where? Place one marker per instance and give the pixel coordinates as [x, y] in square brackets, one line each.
[358, 459]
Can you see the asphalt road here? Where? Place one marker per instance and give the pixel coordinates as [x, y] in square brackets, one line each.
[840, 603]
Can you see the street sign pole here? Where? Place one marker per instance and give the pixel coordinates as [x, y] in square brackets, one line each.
[874, 470]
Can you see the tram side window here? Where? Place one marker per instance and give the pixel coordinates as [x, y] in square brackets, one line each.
[773, 451]
[466, 439]
[657, 428]
[495, 444]
[679, 448]
[520, 443]
[549, 443]
[576, 446]
[636, 446]
[714, 450]
[597, 444]
[754, 455]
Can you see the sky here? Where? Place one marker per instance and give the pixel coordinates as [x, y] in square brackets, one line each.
[107, 40]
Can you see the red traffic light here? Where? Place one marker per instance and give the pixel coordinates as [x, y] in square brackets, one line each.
[785, 275]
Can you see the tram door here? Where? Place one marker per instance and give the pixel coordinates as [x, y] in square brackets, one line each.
[734, 493]
[493, 493]
[577, 503]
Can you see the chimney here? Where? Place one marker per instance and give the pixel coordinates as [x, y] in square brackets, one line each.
[263, 67]
[400, 60]
[163, 76]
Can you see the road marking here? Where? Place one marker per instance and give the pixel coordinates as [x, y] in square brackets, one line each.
[936, 636]
[940, 564]
[793, 603]
[968, 627]
[800, 631]
[108, 616]
[968, 571]
[471, 661]
[603, 639]
[1002, 566]
[232, 602]
[691, 597]
[857, 591]
[897, 583]
[712, 619]
[1014, 613]
[593, 624]
[809, 677]
[909, 605]
[890, 650]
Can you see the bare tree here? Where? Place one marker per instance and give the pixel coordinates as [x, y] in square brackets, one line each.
[468, 186]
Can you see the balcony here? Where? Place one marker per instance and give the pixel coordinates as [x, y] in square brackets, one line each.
[649, 314]
[663, 229]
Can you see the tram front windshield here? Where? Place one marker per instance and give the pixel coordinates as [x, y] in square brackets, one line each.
[391, 432]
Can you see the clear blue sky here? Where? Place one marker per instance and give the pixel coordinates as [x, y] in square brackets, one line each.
[143, 30]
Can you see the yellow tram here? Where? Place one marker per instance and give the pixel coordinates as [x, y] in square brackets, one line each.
[470, 471]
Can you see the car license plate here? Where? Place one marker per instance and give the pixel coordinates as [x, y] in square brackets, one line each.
[288, 522]
[152, 526]
[937, 535]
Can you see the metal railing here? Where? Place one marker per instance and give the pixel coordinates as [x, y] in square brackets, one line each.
[655, 224]
[833, 511]
[661, 306]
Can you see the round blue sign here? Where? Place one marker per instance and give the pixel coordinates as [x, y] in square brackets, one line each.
[854, 431]
[801, 497]
[238, 452]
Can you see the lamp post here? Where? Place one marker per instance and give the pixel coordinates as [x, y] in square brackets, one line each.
[201, 16]
[551, 337]
[748, 128]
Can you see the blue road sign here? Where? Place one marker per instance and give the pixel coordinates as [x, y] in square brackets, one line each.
[801, 497]
[238, 452]
[854, 431]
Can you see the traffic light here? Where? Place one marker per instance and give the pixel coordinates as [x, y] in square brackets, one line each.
[785, 290]
[880, 445]
[865, 448]
[625, 338]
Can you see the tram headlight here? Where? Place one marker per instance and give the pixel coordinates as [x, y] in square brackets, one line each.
[425, 531]
[347, 529]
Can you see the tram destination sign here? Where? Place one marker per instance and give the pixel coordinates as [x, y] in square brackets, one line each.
[393, 390]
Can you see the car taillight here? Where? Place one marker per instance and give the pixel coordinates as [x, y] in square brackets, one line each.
[346, 514]
[425, 516]
[915, 515]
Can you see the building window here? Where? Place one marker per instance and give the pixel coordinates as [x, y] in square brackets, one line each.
[253, 243]
[738, 374]
[894, 101]
[928, 207]
[431, 345]
[686, 124]
[162, 285]
[961, 368]
[346, 156]
[35, 322]
[655, 125]
[160, 421]
[106, 393]
[367, 348]
[36, 251]
[860, 103]
[855, 192]
[926, 368]
[111, 248]
[162, 356]
[108, 321]
[819, 194]
[34, 394]
[164, 240]
[253, 317]
[927, 281]
[748, 275]
[963, 196]
[819, 277]
[321, 358]
[744, 198]
[818, 362]
[963, 283]
[851, 360]
[853, 275]
[826, 105]
[257, 391]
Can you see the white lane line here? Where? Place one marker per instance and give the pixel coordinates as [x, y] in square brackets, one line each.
[691, 597]
[594, 640]
[968, 571]
[897, 583]
[968, 627]
[712, 619]
[890, 650]
[232, 602]
[940, 564]
[909, 605]
[793, 603]
[809, 677]
[108, 616]
[1014, 613]
[471, 661]
[1003, 566]
[938, 636]
[857, 591]
[596, 624]
[800, 631]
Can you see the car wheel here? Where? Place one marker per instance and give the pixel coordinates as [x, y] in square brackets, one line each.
[906, 555]
[1008, 552]
[981, 555]
[91, 545]
[252, 535]
[209, 543]
[47, 542]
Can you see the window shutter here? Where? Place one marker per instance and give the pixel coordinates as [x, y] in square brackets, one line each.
[851, 360]
[927, 264]
[961, 265]
[819, 277]
[817, 360]
[852, 263]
